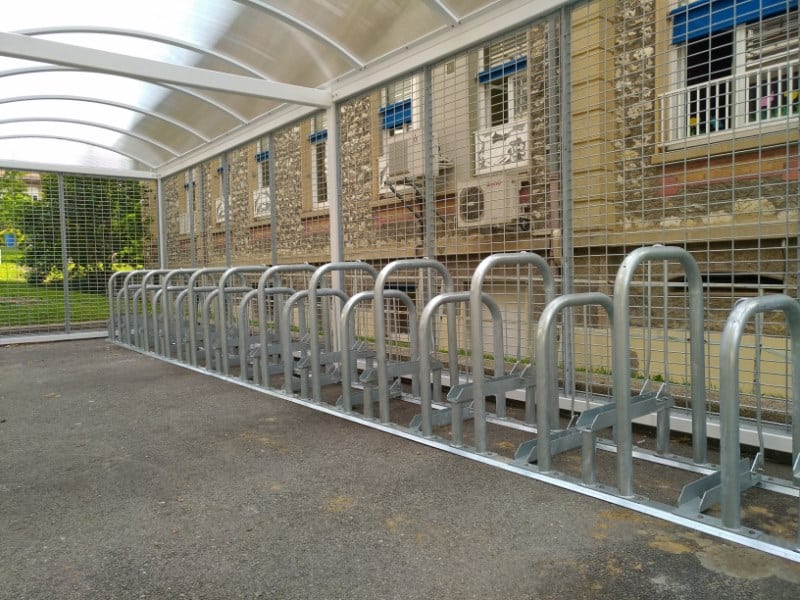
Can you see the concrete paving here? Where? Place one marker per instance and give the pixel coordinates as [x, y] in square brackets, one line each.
[122, 476]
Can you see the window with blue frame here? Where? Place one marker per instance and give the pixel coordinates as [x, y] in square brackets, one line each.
[505, 91]
[503, 81]
[399, 102]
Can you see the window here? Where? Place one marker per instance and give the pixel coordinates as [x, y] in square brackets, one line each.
[400, 108]
[186, 205]
[219, 202]
[502, 141]
[504, 81]
[261, 195]
[737, 66]
[403, 152]
[772, 51]
[319, 163]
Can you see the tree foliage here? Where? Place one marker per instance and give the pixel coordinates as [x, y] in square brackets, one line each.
[13, 197]
[104, 225]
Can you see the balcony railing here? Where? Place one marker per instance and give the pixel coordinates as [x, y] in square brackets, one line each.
[751, 100]
[261, 203]
[501, 147]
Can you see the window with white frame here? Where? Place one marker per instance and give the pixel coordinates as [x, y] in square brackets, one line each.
[502, 141]
[261, 195]
[401, 138]
[504, 81]
[319, 163]
[186, 205]
[400, 106]
[219, 202]
[736, 66]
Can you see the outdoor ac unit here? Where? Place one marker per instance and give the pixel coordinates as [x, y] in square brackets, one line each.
[405, 156]
[261, 202]
[490, 202]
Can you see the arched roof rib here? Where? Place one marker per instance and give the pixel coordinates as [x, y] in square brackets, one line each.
[100, 61]
[152, 37]
[205, 98]
[120, 130]
[183, 125]
[226, 71]
[296, 23]
[68, 138]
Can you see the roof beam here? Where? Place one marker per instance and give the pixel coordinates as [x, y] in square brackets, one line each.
[149, 36]
[46, 167]
[47, 51]
[441, 7]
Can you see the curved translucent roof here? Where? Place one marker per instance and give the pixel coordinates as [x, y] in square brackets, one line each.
[146, 86]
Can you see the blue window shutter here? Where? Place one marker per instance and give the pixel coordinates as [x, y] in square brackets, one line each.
[395, 115]
[504, 70]
[318, 136]
[262, 156]
[706, 17]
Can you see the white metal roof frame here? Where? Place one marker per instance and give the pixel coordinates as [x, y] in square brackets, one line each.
[278, 102]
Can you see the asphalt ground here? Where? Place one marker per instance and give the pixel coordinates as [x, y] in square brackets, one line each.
[122, 476]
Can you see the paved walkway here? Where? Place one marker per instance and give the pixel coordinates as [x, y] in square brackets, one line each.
[125, 477]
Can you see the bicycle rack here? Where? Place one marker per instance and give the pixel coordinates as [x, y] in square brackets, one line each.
[188, 299]
[584, 432]
[265, 340]
[430, 369]
[735, 475]
[114, 308]
[332, 356]
[192, 296]
[394, 370]
[151, 321]
[500, 384]
[129, 307]
[168, 308]
[353, 352]
[217, 331]
[142, 324]
[225, 309]
[303, 347]
[621, 361]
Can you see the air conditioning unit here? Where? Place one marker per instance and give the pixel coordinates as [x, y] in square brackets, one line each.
[405, 156]
[261, 202]
[491, 203]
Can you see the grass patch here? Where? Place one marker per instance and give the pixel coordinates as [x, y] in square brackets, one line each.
[10, 269]
[25, 304]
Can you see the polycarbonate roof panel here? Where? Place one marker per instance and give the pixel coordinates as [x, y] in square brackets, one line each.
[54, 109]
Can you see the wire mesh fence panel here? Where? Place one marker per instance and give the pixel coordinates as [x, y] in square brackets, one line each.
[580, 136]
[693, 144]
[64, 236]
